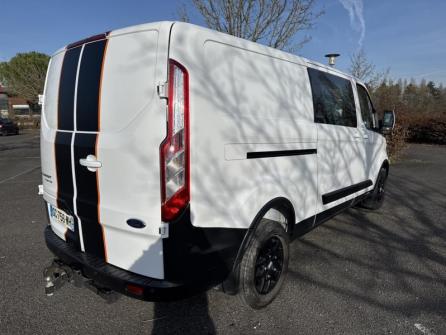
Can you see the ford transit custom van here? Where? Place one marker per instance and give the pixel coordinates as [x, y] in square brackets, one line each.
[176, 158]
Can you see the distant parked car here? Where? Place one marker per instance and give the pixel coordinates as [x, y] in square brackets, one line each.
[8, 127]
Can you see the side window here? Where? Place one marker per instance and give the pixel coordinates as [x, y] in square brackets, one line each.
[366, 107]
[332, 99]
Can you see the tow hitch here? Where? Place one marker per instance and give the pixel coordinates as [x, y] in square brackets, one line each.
[58, 273]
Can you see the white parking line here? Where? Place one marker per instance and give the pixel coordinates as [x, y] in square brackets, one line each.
[423, 329]
[20, 174]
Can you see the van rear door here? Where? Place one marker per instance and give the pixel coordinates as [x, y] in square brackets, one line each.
[103, 124]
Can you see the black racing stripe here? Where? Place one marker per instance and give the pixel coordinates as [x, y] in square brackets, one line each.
[279, 153]
[343, 192]
[63, 169]
[89, 85]
[88, 196]
[88, 40]
[65, 111]
[65, 189]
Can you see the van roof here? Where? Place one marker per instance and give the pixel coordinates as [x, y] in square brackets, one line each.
[120, 31]
[256, 46]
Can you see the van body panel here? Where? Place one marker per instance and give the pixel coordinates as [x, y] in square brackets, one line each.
[340, 161]
[242, 96]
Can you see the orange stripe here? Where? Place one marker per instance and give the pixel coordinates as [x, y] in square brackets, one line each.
[96, 150]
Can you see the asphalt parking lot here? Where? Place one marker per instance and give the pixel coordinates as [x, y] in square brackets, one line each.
[361, 273]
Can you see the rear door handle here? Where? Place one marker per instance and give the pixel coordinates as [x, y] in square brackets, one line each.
[91, 163]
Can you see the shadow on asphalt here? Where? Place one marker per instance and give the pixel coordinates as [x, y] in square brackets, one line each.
[389, 259]
[189, 316]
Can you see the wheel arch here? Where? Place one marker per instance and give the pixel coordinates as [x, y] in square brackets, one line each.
[280, 204]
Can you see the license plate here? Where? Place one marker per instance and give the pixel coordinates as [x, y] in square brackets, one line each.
[61, 217]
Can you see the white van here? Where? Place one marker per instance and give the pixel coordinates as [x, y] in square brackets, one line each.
[176, 158]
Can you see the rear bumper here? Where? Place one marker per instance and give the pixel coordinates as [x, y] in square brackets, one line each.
[195, 259]
[116, 279]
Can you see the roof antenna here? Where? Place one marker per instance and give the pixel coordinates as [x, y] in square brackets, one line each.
[332, 59]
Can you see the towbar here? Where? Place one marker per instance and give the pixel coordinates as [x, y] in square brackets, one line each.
[59, 273]
[56, 275]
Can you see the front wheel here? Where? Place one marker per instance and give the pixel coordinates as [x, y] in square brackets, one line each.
[264, 265]
[376, 198]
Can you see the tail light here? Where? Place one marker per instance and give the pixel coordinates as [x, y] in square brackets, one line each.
[174, 150]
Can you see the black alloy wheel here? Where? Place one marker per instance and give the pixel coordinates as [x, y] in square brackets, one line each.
[264, 264]
[381, 187]
[269, 265]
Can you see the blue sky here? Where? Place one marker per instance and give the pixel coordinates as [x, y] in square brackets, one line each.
[407, 36]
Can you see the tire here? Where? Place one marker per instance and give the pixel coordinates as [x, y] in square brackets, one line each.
[376, 198]
[264, 265]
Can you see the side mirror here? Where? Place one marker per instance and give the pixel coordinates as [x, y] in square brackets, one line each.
[388, 122]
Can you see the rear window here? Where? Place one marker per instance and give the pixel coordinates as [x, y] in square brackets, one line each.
[332, 99]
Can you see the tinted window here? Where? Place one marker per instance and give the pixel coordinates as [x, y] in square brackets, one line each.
[366, 108]
[332, 99]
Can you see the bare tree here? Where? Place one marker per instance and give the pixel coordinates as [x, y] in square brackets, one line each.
[182, 13]
[360, 66]
[365, 70]
[271, 22]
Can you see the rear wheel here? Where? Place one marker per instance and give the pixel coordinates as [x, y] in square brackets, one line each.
[264, 265]
[376, 198]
